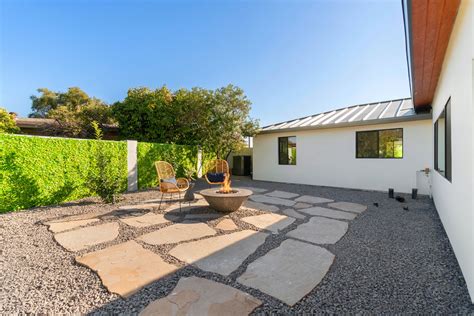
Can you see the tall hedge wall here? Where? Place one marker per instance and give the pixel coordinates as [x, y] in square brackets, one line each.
[36, 171]
[181, 157]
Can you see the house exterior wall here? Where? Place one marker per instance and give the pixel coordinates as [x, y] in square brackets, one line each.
[454, 200]
[328, 157]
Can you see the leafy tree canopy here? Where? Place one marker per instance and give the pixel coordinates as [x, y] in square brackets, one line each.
[7, 122]
[74, 111]
[215, 119]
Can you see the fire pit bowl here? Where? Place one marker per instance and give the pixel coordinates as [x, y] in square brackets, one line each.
[226, 202]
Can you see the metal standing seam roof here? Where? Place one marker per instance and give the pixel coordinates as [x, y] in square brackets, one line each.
[362, 114]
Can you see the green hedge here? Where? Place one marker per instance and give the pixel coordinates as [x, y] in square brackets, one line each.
[36, 171]
[181, 157]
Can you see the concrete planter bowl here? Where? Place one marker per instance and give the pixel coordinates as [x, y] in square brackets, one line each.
[226, 202]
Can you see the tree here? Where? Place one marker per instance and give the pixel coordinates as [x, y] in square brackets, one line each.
[218, 119]
[7, 122]
[73, 111]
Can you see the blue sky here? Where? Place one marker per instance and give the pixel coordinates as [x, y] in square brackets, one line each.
[292, 58]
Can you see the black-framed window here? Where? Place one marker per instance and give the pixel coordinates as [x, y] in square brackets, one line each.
[287, 150]
[442, 135]
[385, 143]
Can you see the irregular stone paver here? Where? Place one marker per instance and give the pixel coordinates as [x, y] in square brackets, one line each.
[272, 222]
[221, 254]
[203, 216]
[177, 233]
[302, 205]
[86, 237]
[322, 211]
[320, 230]
[312, 199]
[147, 206]
[79, 217]
[271, 200]
[288, 272]
[63, 226]
[227, 224]
[148, 219]
[254, 190]
[291, 212]
[349, 207]
[126, 267]
[260, 206]
[282, 194]
[198, 296]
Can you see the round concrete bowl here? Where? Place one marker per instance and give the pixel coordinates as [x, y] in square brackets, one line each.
[226, 202]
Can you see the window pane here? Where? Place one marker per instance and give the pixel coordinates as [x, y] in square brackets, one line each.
[283, 150]
[367, 146]
[292, 150]
[391, 143]
[441, 144]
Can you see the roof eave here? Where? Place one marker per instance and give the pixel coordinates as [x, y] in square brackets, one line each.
[418, 117]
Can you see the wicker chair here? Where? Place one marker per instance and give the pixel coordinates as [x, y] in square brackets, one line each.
[166, 171]
[217, 166]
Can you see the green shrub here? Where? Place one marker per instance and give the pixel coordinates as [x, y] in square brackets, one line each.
[36, 171]
[181, 157]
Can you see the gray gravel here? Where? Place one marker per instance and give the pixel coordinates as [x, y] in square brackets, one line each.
[389, 261]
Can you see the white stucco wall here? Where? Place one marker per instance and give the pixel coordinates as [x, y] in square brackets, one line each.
[328, 157]
[454, 201]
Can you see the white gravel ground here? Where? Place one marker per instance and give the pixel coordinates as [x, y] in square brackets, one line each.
[390, 261]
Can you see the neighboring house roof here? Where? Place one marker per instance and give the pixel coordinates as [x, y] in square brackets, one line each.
[34, 122]
[362, 114]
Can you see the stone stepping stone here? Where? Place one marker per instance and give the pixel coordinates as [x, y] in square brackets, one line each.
[301, 205]
[177, 233]
[349, 207]
[282, 194]
[271, 222]
[125, 268]
[63, 226]
[254, 190]
[79, 217]
[222, 254]
[227, 224]
[86, 237]
[288, 272]
[292, 213]
[198, 296]
[147, 206]
[312, 199]
[271, 200]
[322, 211]
[148, 219]
[260, 206]
[203, 216]
[320, 230]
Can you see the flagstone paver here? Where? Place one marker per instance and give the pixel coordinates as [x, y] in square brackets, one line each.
[90, 215]
[253, 189]
[145, 206]
[291, 212]
[222, 254]
[148, 219]
[272, 222]
[63, 226]
[260, 206]
[320, 230]
[177, 233]
[126, 267]
[288, 272]
[327, 212]
[301, 205]
[86, 237]
[227, 224]
[271, 200]
[203, 216]
[198, 296]
[349, 207]
[312, 199]
[282, 194]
